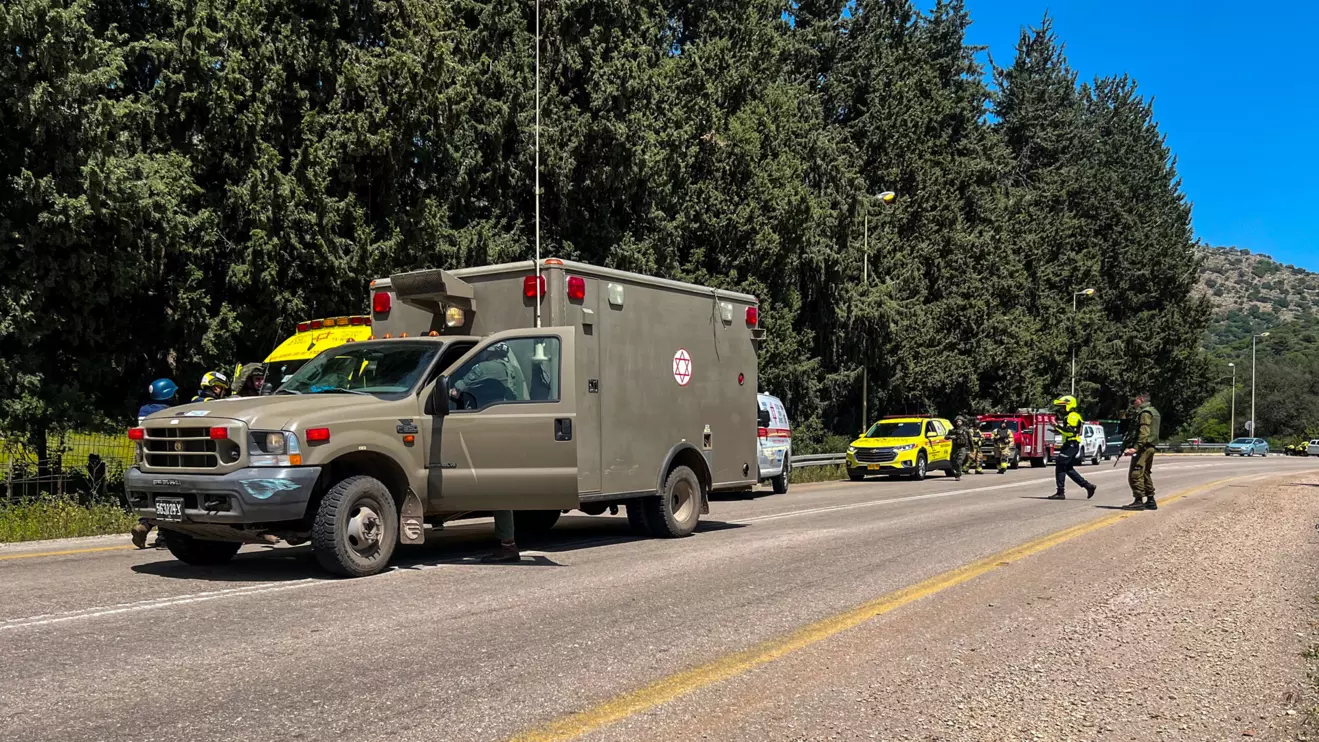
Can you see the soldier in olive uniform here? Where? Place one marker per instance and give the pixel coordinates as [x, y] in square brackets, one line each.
[1142, 432]
[495, 377]
[964, 442]
[1003, 442]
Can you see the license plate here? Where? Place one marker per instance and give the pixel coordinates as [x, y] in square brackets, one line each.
[169, 508]
[875, 467]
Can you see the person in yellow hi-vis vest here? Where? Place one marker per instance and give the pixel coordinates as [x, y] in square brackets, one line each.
[1069, 426]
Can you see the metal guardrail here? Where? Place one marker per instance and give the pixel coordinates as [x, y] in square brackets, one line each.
[819, 459]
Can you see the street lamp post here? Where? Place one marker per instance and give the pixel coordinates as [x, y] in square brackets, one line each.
[1254, 426]
[1232, 426]
[884, 197]
[1075, 296]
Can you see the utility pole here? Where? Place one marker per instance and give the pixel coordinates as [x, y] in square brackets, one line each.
[1075, 295]
[1232, 426]
[1254, 426]
[537, 148]
[885, 197]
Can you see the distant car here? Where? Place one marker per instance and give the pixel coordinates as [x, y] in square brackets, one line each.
[1312, 448]
[773, 442]
[1247, 447]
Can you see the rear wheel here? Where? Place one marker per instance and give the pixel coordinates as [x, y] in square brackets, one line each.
[677, 510]
[1015, 462]
[198, 551]
[356, 527]
[1036, 463]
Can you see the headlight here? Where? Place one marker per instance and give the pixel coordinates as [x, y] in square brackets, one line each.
[851, 449]
[275, 448]
[904, 447]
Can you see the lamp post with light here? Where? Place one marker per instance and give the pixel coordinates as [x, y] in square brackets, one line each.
[1076, 295]
[887, 198]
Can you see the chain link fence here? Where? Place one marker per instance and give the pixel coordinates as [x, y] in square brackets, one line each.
[87, 466]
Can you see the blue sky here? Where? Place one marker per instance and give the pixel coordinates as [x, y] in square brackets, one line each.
[1234, 91]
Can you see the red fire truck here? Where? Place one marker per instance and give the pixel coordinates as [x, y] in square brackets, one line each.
[1032, 436]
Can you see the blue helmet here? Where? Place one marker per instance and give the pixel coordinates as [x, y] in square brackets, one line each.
[163, 390]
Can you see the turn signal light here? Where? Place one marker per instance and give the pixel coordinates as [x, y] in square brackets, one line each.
[576, 288]
[381, 302]
[136, 434]
[753, 316]
[219, 434]
[533, 286]
[318, 435]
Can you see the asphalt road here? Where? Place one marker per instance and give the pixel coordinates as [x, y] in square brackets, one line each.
[802, 616]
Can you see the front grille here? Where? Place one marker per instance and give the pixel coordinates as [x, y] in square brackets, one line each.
[875, 455]
[178, 447]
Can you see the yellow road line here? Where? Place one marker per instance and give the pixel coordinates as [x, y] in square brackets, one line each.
[35, 554]
[674, 686]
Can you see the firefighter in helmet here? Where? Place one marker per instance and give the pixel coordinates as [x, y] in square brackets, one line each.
[215, 385]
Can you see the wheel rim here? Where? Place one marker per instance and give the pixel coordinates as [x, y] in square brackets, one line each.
[364, 529]
[920, 467]
[683, 501]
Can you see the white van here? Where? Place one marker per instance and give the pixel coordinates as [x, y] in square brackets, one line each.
[774, 438]
[1093, 443]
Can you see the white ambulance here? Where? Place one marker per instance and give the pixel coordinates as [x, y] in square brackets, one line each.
[774, 435]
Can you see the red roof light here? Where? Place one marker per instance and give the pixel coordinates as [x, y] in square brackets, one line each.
[304, 326]
[381, 302]
[316, 324]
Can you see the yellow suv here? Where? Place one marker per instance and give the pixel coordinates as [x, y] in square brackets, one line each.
[909, 445]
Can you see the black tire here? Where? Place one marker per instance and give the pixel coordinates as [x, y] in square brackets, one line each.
[198, 552]
[337, 540]
[780, 483]
[1015, 462]
[922, 468]
[1037, 463]
[534, 525]
[856, 475]
[677, 510]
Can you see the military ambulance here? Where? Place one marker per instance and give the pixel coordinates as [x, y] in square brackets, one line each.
[538, 389]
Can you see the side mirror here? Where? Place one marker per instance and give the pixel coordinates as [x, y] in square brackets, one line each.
[437, 402]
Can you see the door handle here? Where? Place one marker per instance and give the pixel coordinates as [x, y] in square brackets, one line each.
[562, 428]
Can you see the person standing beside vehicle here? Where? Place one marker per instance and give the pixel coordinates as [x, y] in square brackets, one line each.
[1003, 442]
[963, 443]
[215, 385]
[1070, 426]
[164, 395]
[1142, 432]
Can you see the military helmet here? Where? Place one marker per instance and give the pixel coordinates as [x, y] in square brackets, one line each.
[1067, 402]
[500, 347]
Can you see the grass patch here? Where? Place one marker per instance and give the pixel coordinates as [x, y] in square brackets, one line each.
[58, 517]
[813, 474]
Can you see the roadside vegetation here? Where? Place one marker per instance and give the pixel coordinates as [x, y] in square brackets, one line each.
[59, 517]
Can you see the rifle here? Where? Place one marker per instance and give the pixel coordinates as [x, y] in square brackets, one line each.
[1120, 454]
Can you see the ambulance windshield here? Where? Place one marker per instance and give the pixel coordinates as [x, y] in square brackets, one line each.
[387, 368]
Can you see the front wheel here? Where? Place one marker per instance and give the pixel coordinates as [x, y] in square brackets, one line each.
[356, 527]
[856, 475]
[1036, 463]
[677, 510]
[780, 483]
[919, 473]
[198, 551]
